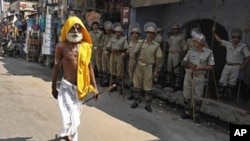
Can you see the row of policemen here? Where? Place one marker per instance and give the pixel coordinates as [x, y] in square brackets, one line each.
[147, 57]
[110, 50]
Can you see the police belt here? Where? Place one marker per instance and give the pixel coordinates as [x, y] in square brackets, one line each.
[144, 64]
[174, 51]
[195, 73]
[117, 52]
[97, 48]
[233, 64]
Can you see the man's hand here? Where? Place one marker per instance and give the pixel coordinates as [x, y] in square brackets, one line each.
[55, 93]
[213, 29]
[96, 93]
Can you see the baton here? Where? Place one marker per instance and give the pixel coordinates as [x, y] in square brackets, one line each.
[105, 90]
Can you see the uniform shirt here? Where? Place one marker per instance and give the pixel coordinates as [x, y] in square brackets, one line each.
[199, 58]
[133, 48]
[176, 43]
[120, 44]
[149, 52]
[159, 38]
[96, 37]
[235, 54]
[106, 40]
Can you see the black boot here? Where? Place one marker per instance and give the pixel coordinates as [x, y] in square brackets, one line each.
[176, 83]
[136, 103]
[188, 110]
[222, 90]
[131, 96]
[120, 85]
[137, 99]
[148, 97]
[106, 79]
[230, 91]
[197, 110]
[100, 74]
[167, 81]
[148, 108]
[113, 82]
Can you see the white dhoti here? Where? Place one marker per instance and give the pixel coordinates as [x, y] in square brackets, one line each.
[70, 108]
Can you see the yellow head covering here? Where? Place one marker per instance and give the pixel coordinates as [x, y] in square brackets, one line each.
[84, 55]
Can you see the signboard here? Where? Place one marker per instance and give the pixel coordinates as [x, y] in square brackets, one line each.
[23, 6]
[6, 6]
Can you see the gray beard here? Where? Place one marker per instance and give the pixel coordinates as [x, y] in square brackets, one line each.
[74, 37]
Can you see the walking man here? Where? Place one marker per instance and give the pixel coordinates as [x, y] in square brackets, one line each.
[237, 57]
[74, 53]
[149, 54]
[197, 61]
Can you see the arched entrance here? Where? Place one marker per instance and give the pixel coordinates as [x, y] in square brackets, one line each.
[219, 52]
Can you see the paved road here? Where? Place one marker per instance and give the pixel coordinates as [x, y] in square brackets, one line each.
[29, 113]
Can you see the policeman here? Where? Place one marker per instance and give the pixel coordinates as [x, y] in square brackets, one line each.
[176, 42]
[135, 33]
[118, 46]
[197, 61]
[236, 58]
[105, 53]
[149, 53]
[97, 36]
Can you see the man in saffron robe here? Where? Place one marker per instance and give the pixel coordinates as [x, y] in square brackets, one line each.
[74, 53]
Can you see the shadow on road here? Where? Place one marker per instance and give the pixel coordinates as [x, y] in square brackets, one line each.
[19, 66]
[17, 139]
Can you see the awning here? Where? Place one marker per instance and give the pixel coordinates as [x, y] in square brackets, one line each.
[144, 3]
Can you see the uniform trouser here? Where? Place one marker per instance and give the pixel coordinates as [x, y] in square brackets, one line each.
[193, 90]
[229, 75]
[172, 67]
[105, 62]
[96, 58]
[194, 87]
[143, 79]
[131, 68]
[105, 66]
[70, 108]
[116, 64]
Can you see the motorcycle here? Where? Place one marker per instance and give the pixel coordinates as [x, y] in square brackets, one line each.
[4, 43]
[12, 48]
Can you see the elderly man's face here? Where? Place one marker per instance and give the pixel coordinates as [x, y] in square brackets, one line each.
[75, 34]
[75, 28]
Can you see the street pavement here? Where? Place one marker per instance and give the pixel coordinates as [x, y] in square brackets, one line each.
[28, 112]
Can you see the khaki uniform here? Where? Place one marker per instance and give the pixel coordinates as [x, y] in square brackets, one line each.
[96, 37]
[143, 75]
[176, 44]
[117, 47]
[106, 54]
[234, 58]
[194, 81]
[132, 51]
[105, 61]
